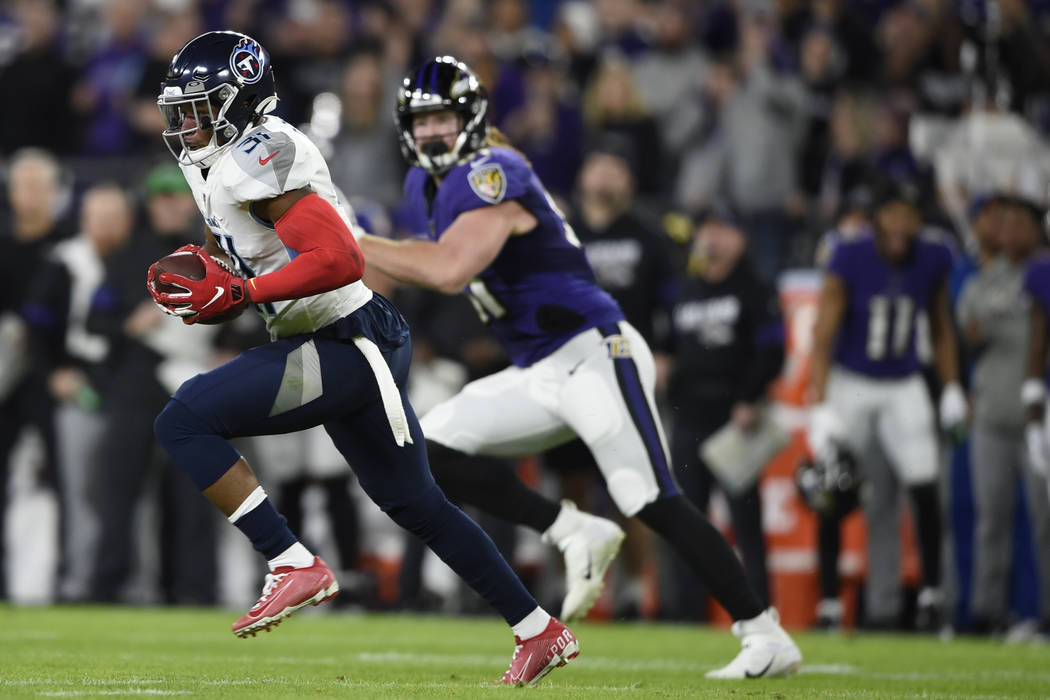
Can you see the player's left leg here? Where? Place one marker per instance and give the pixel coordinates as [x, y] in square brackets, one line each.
[284, 386]
[397, 478]
[608, 400]
[506, 414]
[907, 433]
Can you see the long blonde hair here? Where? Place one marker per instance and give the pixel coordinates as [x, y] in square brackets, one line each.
[498, 139]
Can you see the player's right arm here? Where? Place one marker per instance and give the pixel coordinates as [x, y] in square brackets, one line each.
[830, 309]
[462, 252]
[326, 257]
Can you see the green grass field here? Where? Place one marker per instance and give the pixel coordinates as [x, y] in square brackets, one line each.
[95, 651]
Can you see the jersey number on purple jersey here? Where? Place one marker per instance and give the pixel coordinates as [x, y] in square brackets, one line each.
[484, 301]
[880, 310]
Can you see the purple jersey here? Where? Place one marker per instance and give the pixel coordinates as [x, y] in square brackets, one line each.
[1037, 282]
[877, 336]
[539, 291]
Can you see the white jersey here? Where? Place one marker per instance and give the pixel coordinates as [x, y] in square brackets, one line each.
[266, 161]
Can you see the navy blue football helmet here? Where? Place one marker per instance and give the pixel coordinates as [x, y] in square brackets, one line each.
[830, 485]
[440, 84]
[223, 82]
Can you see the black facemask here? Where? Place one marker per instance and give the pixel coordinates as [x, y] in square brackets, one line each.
[434, 148]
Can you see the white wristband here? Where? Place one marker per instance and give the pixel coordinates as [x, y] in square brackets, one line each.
[1033, 391]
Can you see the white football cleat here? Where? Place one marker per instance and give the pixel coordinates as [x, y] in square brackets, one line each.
[589, 547]
[767, 650]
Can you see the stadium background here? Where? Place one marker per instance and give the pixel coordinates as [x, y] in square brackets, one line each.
[783, 109]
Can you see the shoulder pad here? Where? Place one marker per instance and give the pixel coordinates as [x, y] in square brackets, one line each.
[265, 164]
[497, 174]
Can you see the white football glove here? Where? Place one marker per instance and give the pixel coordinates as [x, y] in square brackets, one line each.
[953, 409]
[1038, 449]
[825, 430]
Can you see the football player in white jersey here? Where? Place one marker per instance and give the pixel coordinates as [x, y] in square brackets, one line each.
[339, 355]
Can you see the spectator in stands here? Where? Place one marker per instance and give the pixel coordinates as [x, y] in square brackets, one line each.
[172, 31]
[37, 79]
[751, 156]
[151, 354]
[577, 31]
[103, 95]
[547, 124]
[510, 33]
[993, 317]
[728, 341]
[365, 160]
[822, 65]
[670, 71]
[613, 110]
[35, 193]
[74, 291]
[311, 43]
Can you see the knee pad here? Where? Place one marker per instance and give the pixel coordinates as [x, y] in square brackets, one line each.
[193, 444]
[593, 410]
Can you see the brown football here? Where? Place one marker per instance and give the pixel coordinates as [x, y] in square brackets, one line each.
[187, 264]
[184, 263]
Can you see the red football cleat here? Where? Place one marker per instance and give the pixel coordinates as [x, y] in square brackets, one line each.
[286, 590]
[537, 656]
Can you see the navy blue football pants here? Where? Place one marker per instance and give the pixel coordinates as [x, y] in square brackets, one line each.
[240, 399]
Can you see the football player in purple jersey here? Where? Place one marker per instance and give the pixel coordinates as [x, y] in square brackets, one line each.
[579, 369]
[867, 383]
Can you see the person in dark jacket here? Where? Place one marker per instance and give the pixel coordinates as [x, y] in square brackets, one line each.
[728, 346]
[35, 195]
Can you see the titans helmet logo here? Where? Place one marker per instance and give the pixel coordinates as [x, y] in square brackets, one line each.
[246, 61]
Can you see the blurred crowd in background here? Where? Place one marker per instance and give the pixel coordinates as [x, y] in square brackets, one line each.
[783, 111]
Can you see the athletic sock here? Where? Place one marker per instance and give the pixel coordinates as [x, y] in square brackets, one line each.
[263, 525]
[706, 551]
[828, 545]
[928, 529]
[567, 523]
[532, 624]
[490, 485]
[296, 556]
